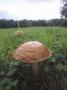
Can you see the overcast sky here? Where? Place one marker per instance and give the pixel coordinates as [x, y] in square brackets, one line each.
[29, 9]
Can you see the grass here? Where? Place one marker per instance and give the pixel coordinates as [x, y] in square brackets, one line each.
[47, 35]
[55, 38]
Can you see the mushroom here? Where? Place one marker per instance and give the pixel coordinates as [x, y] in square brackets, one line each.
[32, 52]
[18, 33]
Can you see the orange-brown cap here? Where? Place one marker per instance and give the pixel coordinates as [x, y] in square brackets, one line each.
[18, 33]
[31, 52]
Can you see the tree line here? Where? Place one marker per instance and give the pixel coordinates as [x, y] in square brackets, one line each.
[31, 23]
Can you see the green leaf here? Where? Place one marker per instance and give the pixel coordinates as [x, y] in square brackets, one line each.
[11, 72]
[14, 83]
[53, 59]
[65, 81]
[59, 66]
[65, 68]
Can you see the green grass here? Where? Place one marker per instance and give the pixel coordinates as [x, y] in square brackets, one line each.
[50, 36]
[55, 38]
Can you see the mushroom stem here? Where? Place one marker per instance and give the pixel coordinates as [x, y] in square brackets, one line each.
[18, 25]
[35, 69]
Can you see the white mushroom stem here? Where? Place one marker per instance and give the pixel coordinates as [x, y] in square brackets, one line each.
[18, 25]
[35, 69]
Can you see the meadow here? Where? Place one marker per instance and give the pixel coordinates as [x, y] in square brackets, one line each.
[53, 71]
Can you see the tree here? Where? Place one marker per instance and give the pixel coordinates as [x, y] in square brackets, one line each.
[64, 9]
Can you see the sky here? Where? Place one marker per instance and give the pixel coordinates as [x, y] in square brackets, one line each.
[29, 9]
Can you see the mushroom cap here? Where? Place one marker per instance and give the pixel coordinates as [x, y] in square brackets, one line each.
[31, 52]
[18, 33]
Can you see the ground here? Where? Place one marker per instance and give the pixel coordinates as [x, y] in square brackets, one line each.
[15, 75]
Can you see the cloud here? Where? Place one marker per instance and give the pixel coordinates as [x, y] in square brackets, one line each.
[29, 9]
[4, 14]
[37, 1]
[29, 1]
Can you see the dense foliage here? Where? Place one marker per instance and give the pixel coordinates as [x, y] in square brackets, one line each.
[64, 9]
[32, 23]
[15, 75]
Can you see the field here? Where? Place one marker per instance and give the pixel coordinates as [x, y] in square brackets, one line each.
[52, 76]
